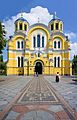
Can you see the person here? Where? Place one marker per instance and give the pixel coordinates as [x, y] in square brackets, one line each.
[57, 77]
[36, 71]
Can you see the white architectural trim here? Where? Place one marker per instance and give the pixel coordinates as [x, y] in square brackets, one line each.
[12, 59]
[40, 62]
[16, 51]
[57, 51]
[66, 59]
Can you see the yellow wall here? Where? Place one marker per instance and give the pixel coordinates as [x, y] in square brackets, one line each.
[29, 63]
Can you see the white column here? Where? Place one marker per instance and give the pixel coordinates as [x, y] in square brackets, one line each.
[41, 41]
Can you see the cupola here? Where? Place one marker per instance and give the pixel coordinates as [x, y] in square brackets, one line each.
[21, 24]
[56, 24]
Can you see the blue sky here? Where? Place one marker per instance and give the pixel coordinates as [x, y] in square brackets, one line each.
[65, 9]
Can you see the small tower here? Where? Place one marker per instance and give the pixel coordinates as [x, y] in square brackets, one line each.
[21, 24]
[55, 24]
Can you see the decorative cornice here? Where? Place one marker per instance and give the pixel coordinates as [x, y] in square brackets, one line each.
[20, 33]
[14, 51]
[52, 50]
[66, 59]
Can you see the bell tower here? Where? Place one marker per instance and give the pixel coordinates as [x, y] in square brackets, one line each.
[21, 24]
[56, 24]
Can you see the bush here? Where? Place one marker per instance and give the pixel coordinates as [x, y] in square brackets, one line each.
[2, 68]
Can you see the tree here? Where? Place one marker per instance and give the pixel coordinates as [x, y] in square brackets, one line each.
[1, 58]
[2, 38]
[74, 64]
[2, 45]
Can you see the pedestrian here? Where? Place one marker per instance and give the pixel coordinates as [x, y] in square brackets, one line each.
[57, 77]
[36, 71]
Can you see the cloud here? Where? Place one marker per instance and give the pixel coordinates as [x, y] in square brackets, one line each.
[73, 45]
[32, 17]
[73, 49]
[71, 35]
[44, 17]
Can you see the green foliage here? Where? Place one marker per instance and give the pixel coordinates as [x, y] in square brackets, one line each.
[74, 64]
[2, 68]
[1, 58]
[2, 45]
[2, 39]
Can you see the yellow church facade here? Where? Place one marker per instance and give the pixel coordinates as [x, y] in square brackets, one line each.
[40, 46]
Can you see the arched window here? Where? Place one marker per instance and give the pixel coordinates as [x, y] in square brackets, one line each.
[38, 40]
[57, 26]
[22, 44]
[38, 54]
[18, 62]
[52, 27]
[54, 44]
[22, 62]
[58, 44]
[20, 26]
[34, 41]
[42, 41]
[54, 61]
[18, 44]
[58, 62]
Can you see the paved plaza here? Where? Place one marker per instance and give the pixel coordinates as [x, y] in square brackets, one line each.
[37, 98]
[67, 88]
[10, 87]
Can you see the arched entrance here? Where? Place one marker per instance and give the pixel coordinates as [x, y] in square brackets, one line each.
[38, 67]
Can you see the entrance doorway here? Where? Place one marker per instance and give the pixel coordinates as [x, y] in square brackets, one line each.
[38, 67]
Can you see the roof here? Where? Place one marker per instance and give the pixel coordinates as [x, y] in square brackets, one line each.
[40, 24]
[60, 34]
[22, 19]
[54, 20]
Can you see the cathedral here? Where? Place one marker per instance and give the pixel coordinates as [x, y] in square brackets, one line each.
[38, 46]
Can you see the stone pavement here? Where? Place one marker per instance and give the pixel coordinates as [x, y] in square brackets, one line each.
[67, 88]
[10, 87]
[38, 98]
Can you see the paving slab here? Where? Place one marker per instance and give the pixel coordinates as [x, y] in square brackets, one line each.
[10, 88]
[55, 108]
[39, 100]
[12, 116]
